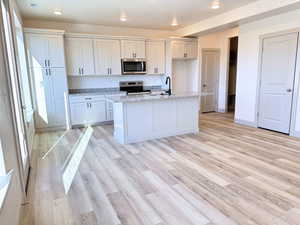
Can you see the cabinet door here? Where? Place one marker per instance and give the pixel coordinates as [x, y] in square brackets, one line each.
[37, 50]
[43, 97]
[191, 50]
[140, 49]
[155, 51]
[74, 56]
[102, 57]
[59, 87]
[128, 49]
[87, 50]
[178, 50]
[79, 113]
[115, 57]
[97, 111]
[56, 54]
[107, 57]
[133, 49]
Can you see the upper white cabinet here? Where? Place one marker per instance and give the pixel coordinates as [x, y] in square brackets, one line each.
[184, 50]
[45, 50]
[133, 49]
[107, 57]
[155, 51]
[80, 56]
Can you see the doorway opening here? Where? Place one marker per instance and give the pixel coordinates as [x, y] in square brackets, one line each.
[233, 55]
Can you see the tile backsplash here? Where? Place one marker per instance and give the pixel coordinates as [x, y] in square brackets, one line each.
[113, 81]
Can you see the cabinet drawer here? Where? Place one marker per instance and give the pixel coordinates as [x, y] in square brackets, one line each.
[84, 98]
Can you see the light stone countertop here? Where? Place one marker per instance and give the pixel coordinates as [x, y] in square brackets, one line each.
[149, 97]
[98, 93]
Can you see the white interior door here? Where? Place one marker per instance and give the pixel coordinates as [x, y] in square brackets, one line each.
[277, 81]
[209, 83]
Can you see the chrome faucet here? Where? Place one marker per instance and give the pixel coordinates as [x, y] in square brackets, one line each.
[168, 80]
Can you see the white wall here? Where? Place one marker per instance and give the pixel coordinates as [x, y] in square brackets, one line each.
[248, 62]
[185, 75]
[219, 40]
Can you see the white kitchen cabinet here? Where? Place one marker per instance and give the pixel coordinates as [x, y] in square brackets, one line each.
[50, 84]
[80, 56]
[155, 52]
[87, 110]
[107, 57]
[97, 111]
[79, 113]
[133, 49]
[45, 50]
[184, 50]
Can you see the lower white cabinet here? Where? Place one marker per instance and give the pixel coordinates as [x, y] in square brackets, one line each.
[96, 111]
[88, 109]
[50, 84]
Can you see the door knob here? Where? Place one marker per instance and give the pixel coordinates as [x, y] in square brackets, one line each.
[289, 90]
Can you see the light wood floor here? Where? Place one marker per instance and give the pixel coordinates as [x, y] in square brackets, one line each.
[226, 175]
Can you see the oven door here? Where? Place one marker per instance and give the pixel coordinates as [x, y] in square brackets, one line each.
[133, 66]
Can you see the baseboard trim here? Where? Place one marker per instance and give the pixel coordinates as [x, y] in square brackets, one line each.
[294, 133]
[246, 123]
[221, 111]
[50, 129]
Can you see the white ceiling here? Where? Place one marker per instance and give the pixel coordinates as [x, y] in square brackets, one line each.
[157, 14]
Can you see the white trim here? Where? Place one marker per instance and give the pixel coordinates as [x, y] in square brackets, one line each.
[43, 31]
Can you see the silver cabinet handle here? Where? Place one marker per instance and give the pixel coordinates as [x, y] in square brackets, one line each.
[48, 63]
[45, 63]
[46, 72]
[289, 90]
[49, 72]
[82, 71]
[108, 71]
[79, 71]
[90, 105]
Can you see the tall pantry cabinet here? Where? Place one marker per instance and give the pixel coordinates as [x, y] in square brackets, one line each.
[46, 58]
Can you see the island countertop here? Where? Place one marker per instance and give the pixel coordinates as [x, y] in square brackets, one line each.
[150, 97]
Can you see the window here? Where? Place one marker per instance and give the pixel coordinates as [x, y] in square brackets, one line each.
[23, 71]
[4, 178]
[16, 92]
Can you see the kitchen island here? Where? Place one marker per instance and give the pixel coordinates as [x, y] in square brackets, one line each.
[145, 117]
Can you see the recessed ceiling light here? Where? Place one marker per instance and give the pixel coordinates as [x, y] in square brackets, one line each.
[215, 4]
[123, 19]
[57, 12]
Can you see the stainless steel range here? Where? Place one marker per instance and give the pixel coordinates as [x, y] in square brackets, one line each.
[133, 87]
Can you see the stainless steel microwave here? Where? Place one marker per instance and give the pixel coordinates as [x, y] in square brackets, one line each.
[134, 66]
